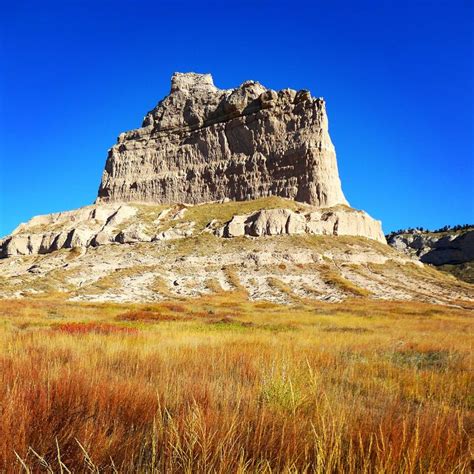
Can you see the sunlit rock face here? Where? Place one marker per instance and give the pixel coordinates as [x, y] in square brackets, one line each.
[202, 144]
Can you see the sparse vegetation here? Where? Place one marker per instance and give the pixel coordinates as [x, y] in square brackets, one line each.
[223, 384]
[453, 229]
[113, 279]
[332, 277]
[213, 285]
[223, 212]
[233, 278]
[463, 271]
[283, 287]
[160, 286]
[202, 214]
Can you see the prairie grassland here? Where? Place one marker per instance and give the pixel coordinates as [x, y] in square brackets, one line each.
[222, 384]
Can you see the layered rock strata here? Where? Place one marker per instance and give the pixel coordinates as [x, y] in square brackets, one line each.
[112, 223]
[203, 144]
[341, 221]
[437, 248]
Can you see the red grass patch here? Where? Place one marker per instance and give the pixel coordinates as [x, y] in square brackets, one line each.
[175, 307]
[97, 328]
[140, 315]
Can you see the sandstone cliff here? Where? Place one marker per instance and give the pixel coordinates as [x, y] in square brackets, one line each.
[202, 144]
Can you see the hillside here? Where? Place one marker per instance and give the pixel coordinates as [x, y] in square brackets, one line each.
[449, 249]
[147, 253]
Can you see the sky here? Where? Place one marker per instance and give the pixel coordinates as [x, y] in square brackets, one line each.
[397, 77]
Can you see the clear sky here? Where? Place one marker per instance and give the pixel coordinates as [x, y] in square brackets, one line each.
[397, 77]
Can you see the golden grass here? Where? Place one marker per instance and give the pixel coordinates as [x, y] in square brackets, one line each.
[74, 253]
[283, 287]
[213, 285]
[112, 280]
[463, 271]
[332, 277]
[223, 384]
[202, 214]
[161, 286]
[222, 212]
[233, 278]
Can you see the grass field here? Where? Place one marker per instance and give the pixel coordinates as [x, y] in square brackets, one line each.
[221, 384]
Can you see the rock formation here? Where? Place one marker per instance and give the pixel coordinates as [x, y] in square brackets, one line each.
[220, 189]
[266, 222]
[109, 223]
[436, 248]
[202, 144]
[265, 249]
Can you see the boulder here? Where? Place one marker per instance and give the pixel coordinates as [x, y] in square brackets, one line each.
[104, 237]
[321, 223]
[235, 227]
[78, 238]
[270, 222]
[174, 233]
[16, 245]
[133, 233]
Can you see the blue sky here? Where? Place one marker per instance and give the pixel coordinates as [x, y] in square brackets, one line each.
[397, 77]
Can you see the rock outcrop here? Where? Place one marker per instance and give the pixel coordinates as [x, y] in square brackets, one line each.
[266, 222]
[202, 144]
[88, 226]
[222, 190]
[113, 223]
[451, 248]
[158, 254]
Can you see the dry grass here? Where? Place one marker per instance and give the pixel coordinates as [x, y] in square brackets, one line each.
[161, 286]
[332, 277]
[222, 384]
[463, 271]
[223, 212]
[112, 280]
[213, 285]
[283, 287]
[202, 214]
[233, 278]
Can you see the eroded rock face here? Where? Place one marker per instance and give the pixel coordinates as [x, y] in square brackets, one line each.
[436, 249]
[341, 221]
[82, 228]
[202, 144]
[106, 224]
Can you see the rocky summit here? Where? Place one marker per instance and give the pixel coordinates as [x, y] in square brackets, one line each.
[219, 190]
[202, 144]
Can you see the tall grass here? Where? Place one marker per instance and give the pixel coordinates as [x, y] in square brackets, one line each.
[355, 387]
